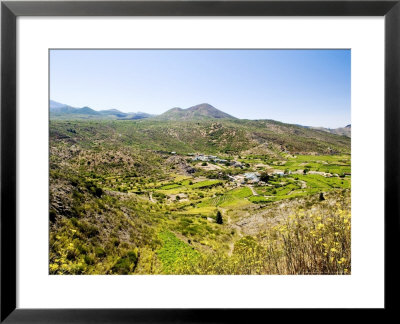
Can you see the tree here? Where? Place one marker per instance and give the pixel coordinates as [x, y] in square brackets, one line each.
[219, 218]
[264, 177]
[98, 192]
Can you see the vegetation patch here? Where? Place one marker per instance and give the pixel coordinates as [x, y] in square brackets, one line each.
[205, 184]
[175, 254]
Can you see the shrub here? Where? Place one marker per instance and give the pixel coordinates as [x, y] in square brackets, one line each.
[74, 221]
[86, 228]
[219, 218]
[88, 259]
[82, 249]
[100, 252]
[126, 264]
[52, 215]
[264, 177]
[115, 241]
[98, 192]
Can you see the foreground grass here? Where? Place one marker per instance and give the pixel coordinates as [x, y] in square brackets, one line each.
[307, 242]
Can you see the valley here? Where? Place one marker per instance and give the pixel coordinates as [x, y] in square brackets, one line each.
[197, 191]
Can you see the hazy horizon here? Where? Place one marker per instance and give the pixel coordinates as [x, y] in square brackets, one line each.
[306, 87]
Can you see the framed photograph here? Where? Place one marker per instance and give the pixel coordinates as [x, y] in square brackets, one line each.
[197, 161]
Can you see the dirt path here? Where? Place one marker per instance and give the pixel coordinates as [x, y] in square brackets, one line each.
[303, 184]
[253, 190]
[239, 232]
[151, 197]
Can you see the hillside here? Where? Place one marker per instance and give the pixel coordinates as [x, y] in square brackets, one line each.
[202, 111]
[207, 136]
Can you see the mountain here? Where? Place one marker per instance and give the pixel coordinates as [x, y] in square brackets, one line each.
[57, 105]
[202, 111]
[57, 108]
[62, 111]
[344, 131]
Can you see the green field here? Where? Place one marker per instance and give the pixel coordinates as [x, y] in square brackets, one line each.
[229, 199]
[338, 164]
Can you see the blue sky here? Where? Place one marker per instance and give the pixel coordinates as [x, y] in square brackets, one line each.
[307, 87]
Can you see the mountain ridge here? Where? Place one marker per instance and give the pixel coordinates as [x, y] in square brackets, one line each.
[203, 111]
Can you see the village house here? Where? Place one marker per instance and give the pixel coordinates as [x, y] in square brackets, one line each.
[206, 158]
[220, 160]
[252, 177]
[239, 179]
[201, 157]
[236, 164]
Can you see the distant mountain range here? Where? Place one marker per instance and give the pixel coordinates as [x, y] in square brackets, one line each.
[202, 111]
[63, 111]
[346, 131]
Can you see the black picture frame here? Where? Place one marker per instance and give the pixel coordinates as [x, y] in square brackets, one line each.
[10, 10]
